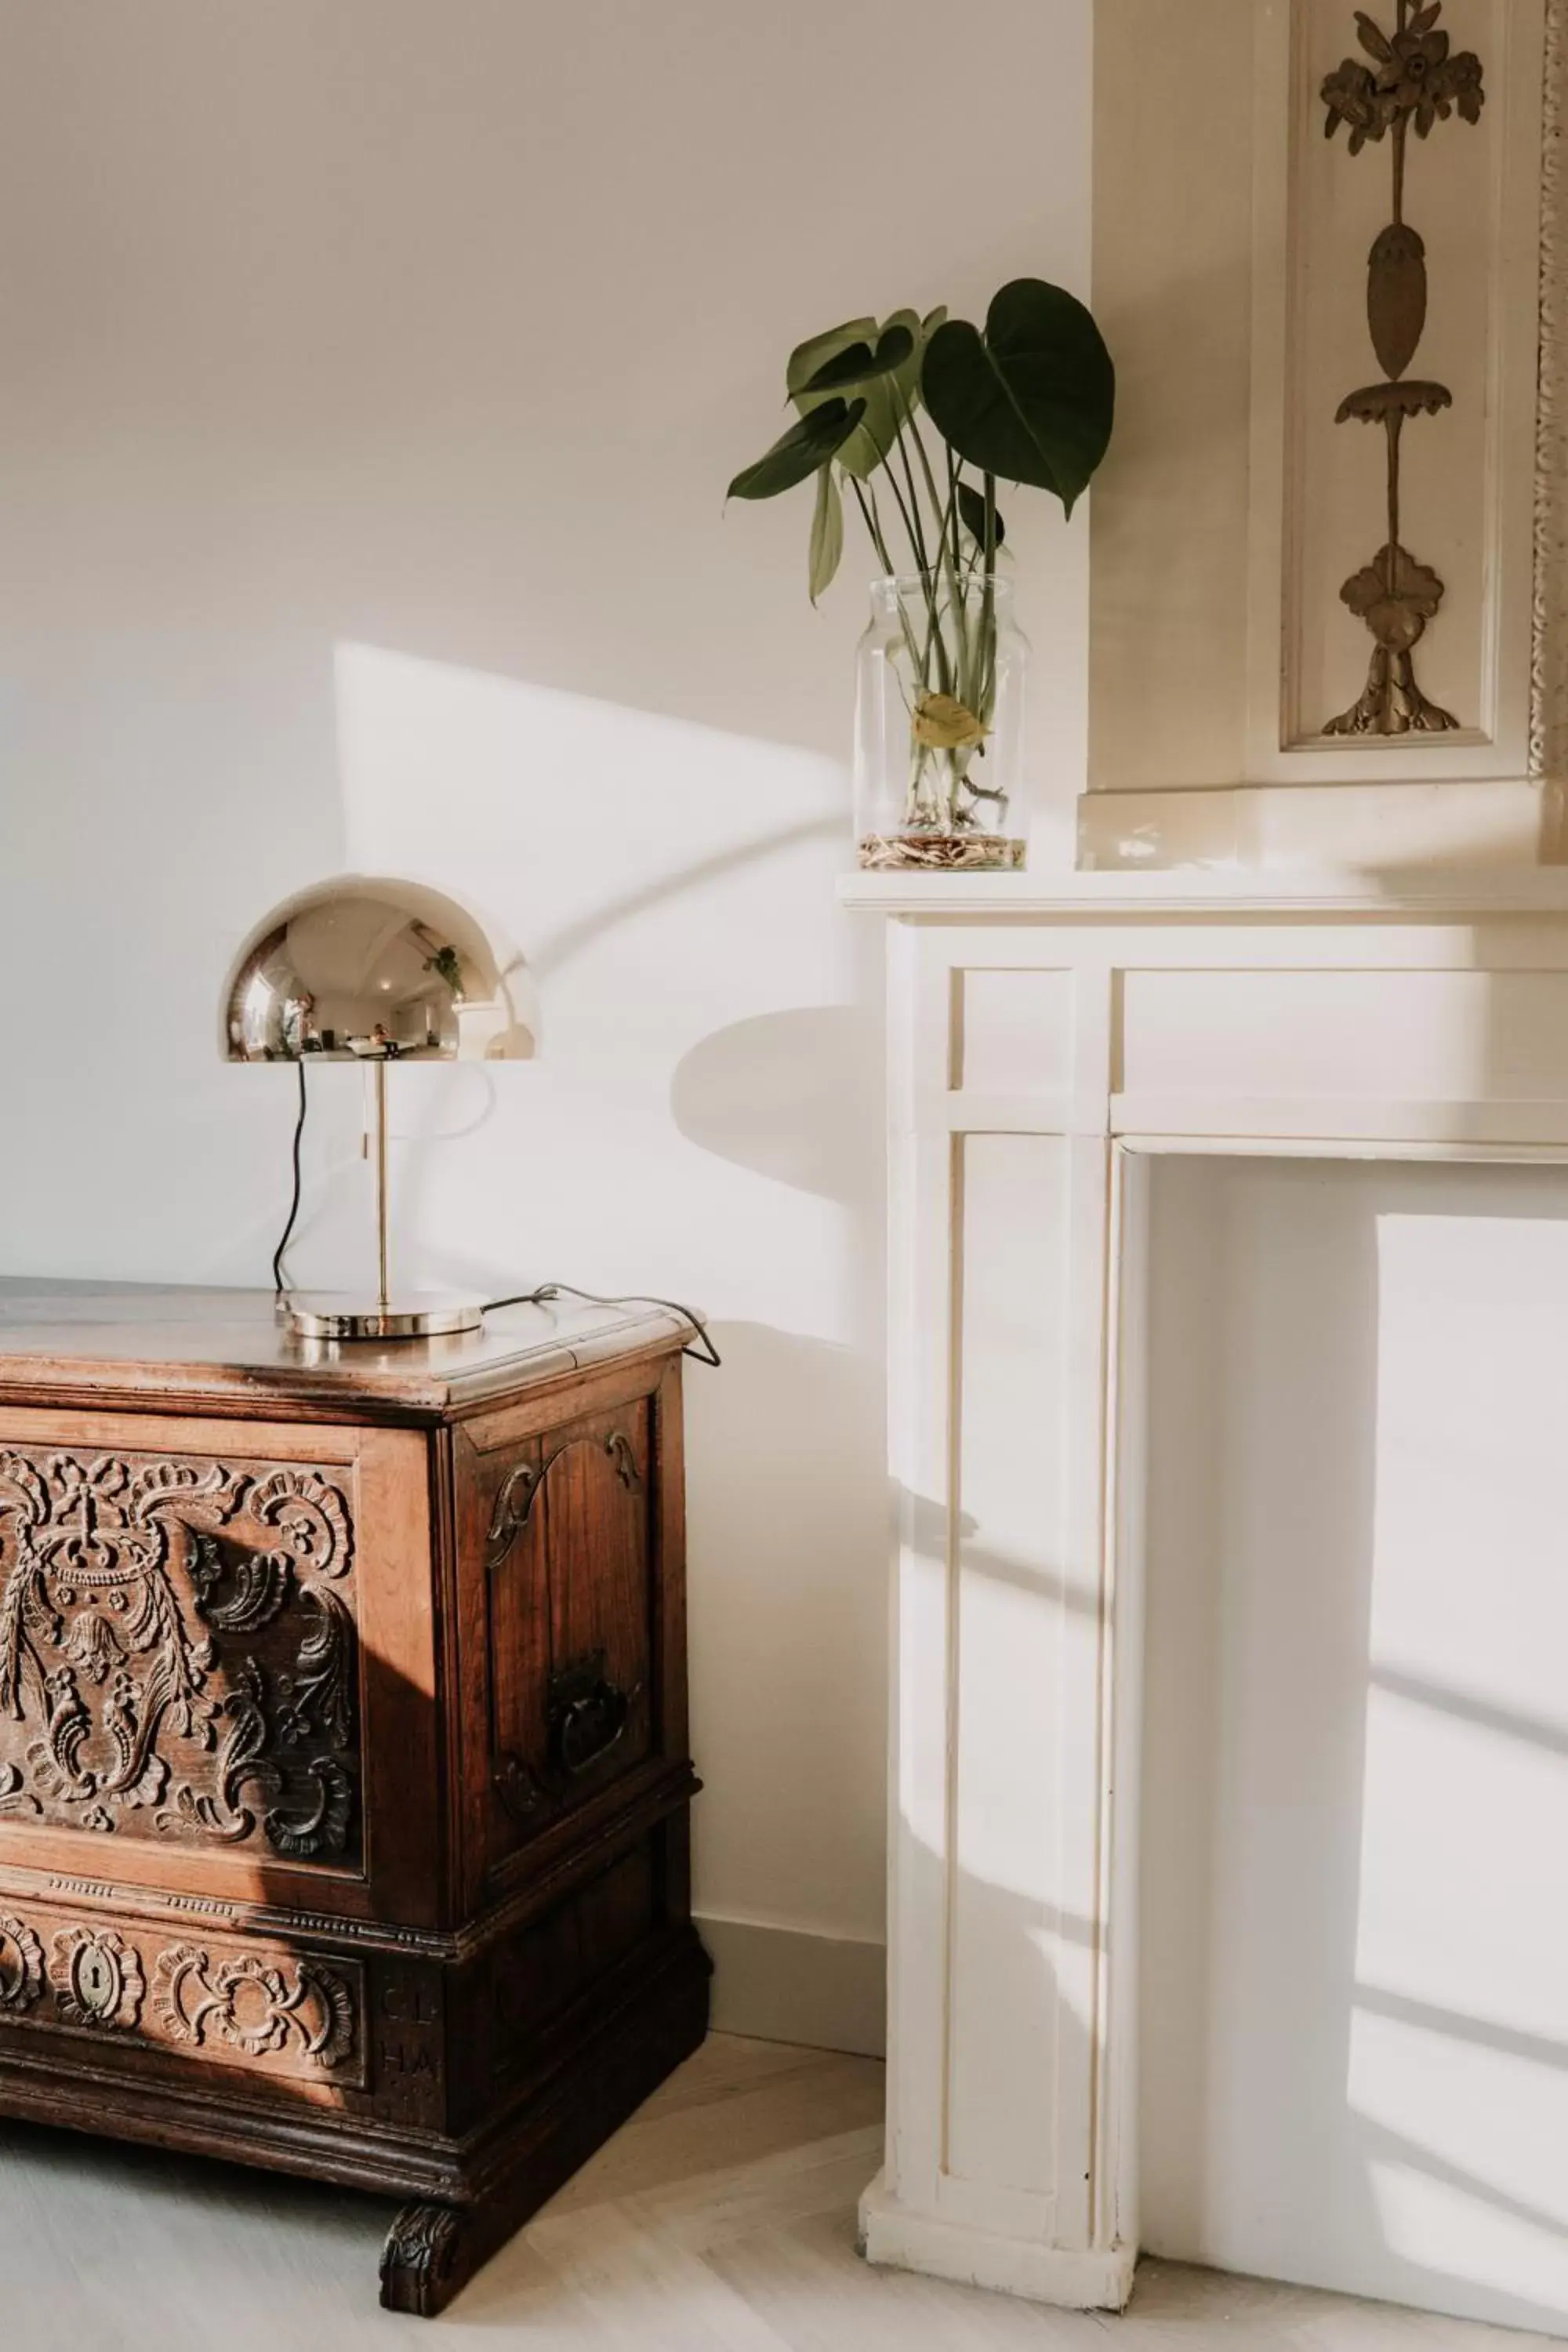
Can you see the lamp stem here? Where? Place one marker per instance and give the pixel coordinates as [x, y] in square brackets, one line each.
[383, 1296]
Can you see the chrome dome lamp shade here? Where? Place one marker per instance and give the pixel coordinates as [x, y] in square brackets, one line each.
[368, 970]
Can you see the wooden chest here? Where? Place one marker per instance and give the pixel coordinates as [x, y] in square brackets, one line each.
[343, 1773]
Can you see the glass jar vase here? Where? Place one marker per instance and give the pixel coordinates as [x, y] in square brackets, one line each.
[939, 724]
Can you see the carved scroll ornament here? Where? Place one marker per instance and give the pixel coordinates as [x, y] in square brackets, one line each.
[253, 2006]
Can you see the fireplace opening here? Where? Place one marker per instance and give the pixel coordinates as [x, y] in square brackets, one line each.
[1353, 1880]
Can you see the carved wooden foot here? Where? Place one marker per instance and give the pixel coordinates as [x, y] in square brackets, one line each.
[422, 2263]
[433, 2249]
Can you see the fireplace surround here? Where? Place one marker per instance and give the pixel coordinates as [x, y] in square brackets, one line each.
[1046, 1035]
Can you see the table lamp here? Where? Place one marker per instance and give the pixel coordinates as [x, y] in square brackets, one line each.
[367, 969]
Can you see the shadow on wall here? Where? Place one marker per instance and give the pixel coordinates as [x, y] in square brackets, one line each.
[696, 1126]
[796, 1096]
[559, 948]
[788, 1589]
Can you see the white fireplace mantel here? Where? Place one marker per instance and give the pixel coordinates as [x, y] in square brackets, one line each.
[1047, 1034]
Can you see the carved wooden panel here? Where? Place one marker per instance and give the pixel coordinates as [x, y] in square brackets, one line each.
[554, 1959]
[512, 1995]
[568, 1571]
[256, 2006]
[179, 1652]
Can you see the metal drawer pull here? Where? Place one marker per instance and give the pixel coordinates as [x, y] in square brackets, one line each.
[586, 1713]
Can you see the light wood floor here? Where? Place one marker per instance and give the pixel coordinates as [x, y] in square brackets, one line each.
[722, 2215]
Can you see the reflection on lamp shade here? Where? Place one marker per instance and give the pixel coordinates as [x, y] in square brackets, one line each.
[365, 968]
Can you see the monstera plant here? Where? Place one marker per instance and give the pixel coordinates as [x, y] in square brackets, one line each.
[918, 421]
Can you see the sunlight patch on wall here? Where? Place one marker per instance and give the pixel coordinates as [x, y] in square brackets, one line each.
[1470, 2237]
[1460, 2043]
[665, 881]
[584, 817]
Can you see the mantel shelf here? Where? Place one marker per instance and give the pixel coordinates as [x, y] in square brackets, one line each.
[1064, 894]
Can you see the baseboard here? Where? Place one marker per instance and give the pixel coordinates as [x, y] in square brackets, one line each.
[782, 1984]
[1099, 2279]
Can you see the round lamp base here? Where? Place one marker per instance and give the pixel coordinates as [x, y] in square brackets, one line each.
[359, 1315]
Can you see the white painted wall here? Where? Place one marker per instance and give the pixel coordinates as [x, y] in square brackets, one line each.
[1355, 2031]
[373, 370]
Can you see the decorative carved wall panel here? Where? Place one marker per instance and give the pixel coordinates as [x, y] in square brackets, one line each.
[1248, 318]
[1415, 79]
[1448, 492]
[178, 1651]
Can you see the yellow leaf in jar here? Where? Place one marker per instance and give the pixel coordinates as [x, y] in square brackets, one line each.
[944, 724]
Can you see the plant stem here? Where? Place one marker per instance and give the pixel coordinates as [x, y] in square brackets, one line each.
[946, 520]
[873, 525]
[988, 605]
[904, 514]
[951, 516]
[872, 520]
[935, 649]
[917, 532]
[966, 669]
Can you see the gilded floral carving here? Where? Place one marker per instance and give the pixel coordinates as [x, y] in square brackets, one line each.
[1414, 80]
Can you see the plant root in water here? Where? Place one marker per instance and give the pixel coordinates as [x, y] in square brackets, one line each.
[939, 852]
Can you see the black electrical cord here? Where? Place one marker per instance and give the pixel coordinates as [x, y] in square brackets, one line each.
[704, 1353]
[279, 1284]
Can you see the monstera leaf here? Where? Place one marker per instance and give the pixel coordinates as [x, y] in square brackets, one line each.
[1033, 399]
[882, 363]
[827, 532]
[859, 362]
[797, 454]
